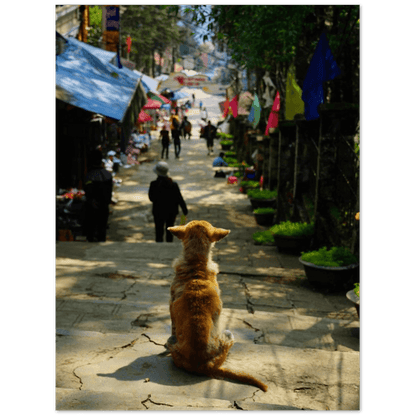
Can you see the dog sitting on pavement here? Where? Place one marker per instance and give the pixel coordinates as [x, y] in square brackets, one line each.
[197, 343]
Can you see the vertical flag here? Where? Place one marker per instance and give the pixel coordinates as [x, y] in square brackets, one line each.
[254, 116]
[226, 107]
[234, 106]
[322, 68]
[274, 114]
[128, 42]
[294, 103]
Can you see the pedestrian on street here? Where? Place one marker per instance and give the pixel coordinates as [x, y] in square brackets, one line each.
[98, 192]
[175, 131]
[209, 133]
[186, 128]
[166, 197]
[164, 134]
[219, 161]
[200, 106]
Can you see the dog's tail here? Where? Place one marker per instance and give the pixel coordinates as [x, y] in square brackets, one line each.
[236, 375]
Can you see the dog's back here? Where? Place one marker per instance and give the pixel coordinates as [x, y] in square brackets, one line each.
[197, 343]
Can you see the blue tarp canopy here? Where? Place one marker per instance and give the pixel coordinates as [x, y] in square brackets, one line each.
[177, 95]
[86, 79]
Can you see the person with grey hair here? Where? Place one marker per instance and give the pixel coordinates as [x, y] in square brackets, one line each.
[166, 198]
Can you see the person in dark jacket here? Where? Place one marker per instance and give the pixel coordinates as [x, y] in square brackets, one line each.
[166, 197]
[98, 191]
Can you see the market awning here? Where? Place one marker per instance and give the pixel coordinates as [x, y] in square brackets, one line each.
[143, 117]
[152, 104]
[86, 80]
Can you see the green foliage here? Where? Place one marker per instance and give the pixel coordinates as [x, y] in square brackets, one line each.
[263, 237]
[293, 229]
[266, 210]
[230, 160]
[95, 31]
[230, 153]
[237, 174]
[261, 194]
[334, 257]
[226, 142]
[250, 184]
[357, 289]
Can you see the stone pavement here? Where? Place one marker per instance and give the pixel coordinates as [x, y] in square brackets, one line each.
[112, 315]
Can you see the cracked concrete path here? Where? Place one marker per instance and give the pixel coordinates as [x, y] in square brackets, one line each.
[112, 315]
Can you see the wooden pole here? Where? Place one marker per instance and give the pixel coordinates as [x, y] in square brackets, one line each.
[296, 167]
[270, 163]
[278, 174]
[318, 169]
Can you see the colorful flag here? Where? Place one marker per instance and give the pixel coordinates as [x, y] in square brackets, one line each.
[294, 103]
[128, 42]
[226, 107]
[273, 121]
[322, 68]
[234, 106]
[254, 116]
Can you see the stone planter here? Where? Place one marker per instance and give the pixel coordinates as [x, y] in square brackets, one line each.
[351, 296]
[264, 219]
[295, 244]
[226, 146]
[330, 278]
[263, 203]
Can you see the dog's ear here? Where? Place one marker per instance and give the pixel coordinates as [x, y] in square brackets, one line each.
[218, 234]
[178, 231]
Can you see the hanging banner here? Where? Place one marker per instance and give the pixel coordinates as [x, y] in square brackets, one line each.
[112, 18]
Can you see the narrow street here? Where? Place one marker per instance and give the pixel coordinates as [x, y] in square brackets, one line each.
[112, 317]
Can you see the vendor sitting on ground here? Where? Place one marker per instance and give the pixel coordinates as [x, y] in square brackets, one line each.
[219, 161]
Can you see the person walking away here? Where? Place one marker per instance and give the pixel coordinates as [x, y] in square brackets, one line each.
[98, 193]
[166, 198]
[200, 106]
[164, 135]
[209, 133]
[175, 126]
[186, 128]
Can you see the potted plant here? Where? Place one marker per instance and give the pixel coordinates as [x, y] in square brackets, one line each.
[262, 198]
[354, 296]
[263, 238]
[226, 144]
[332, 269]
[264, 216]
[293, 236]
[246, 185]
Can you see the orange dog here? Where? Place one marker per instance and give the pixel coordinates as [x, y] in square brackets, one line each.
[197, 343]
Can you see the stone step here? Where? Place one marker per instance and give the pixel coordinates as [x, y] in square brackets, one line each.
[260, 328]
[133, 363]
[72, 399]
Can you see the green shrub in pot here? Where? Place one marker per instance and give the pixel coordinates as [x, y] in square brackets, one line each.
[292, 229]
[261, 194]
[334, 257]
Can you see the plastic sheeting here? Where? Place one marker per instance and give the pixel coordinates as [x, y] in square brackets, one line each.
[87, 80]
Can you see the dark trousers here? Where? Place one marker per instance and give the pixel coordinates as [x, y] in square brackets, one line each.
[165, 149]
[161, 224]
[96, 223]
[177, 145]
[210, 143]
